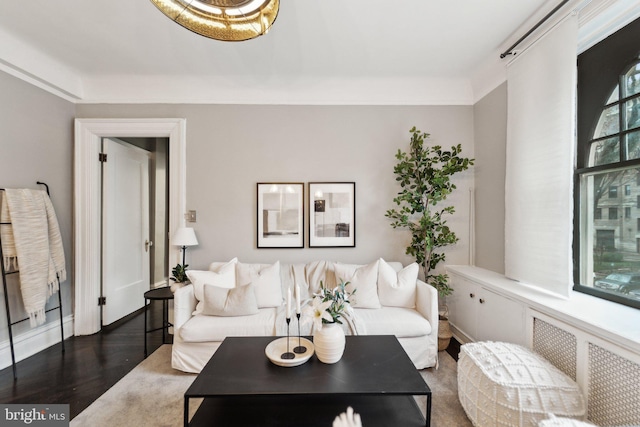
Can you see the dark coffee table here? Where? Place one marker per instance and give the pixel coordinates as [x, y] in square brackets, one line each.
[241, 387]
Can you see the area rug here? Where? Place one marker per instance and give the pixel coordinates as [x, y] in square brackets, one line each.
[152, 395]
[446, 410]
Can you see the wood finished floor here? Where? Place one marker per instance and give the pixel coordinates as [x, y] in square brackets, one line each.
[89, 367]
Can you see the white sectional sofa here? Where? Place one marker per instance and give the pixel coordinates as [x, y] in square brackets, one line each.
[239, 299]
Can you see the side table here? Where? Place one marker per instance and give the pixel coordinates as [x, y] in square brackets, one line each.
[159, 294]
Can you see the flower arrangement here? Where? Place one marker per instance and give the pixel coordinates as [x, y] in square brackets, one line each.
[330, 304]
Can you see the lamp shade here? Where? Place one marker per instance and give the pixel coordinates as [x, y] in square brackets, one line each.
[184, 236]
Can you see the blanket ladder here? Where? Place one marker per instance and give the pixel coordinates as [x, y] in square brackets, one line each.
[10, 324]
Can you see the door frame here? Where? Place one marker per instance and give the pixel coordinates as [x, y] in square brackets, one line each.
[87, 207]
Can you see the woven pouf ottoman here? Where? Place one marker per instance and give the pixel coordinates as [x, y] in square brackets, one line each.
[502, 384]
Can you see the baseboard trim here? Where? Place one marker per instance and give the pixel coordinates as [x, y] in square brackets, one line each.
[161, 284]
[459, 336]
[34, 341]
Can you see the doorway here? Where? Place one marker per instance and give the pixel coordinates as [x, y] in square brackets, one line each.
[87, 206]
[158, 206]
[134, 223]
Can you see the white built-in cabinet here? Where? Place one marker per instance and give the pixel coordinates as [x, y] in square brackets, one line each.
[478, 314]
[594, 341]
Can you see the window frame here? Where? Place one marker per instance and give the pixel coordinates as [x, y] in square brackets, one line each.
[600, 70]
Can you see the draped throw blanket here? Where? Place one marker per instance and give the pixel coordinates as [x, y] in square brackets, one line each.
[6, 234]
[33, 245]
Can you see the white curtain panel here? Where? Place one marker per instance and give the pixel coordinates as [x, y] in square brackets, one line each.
[540, 160]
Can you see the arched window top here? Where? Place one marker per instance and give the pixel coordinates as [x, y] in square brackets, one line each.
[616, 136]
[631, 80]
[607, 195]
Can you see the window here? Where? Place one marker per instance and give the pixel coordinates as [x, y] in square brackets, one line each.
[606, 250]
[605, 240]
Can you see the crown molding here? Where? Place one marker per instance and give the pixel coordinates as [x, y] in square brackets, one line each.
[599, 19]
[297, 90]
[21, 60]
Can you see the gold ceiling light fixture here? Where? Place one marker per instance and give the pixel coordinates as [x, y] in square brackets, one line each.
[226, 20]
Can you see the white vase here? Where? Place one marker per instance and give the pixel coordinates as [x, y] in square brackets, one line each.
[176, 285]
[329, 342]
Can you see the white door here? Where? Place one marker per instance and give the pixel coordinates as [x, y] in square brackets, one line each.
[125, 229]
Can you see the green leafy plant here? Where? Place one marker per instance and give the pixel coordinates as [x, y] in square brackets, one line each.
[424, 173]
[179, 273]
[338, 298]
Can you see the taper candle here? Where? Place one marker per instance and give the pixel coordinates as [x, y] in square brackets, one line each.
[297, 299]
[288, 303]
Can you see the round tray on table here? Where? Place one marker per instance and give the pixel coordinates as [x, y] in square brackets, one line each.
[276, 348]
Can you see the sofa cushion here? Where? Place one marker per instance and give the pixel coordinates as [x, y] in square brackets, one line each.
[223, 276]
[202, 328]
[363, 279]
[238, 301]
[398, 321]
[397, 288]
[266, 281]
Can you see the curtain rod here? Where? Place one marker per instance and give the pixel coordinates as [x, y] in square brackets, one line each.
[535, 27]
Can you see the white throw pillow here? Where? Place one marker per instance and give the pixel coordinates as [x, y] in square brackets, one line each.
[224, 277]
[240, 301]
[266, 281]
[364, 279]
[397, 289]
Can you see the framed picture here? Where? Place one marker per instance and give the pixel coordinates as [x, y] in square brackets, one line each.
[280, 215]
[332, 214]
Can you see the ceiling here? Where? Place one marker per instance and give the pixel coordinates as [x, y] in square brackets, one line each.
[318, 51]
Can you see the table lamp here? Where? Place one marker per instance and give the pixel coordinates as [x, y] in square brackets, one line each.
[184, 236]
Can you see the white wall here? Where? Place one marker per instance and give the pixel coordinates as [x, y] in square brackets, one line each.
[36, 145]
[229, 149]
[490, 135]
[232, 147]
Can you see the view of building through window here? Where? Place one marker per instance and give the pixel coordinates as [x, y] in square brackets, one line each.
[610, 197]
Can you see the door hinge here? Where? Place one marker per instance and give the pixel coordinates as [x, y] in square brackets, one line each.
[102, 300]
[102, 157]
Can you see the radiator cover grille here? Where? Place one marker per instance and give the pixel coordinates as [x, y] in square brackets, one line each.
[556, 345]
[611, 382]
[614, 393]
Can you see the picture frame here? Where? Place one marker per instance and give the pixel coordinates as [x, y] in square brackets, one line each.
[280, 215]
[332, 214]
